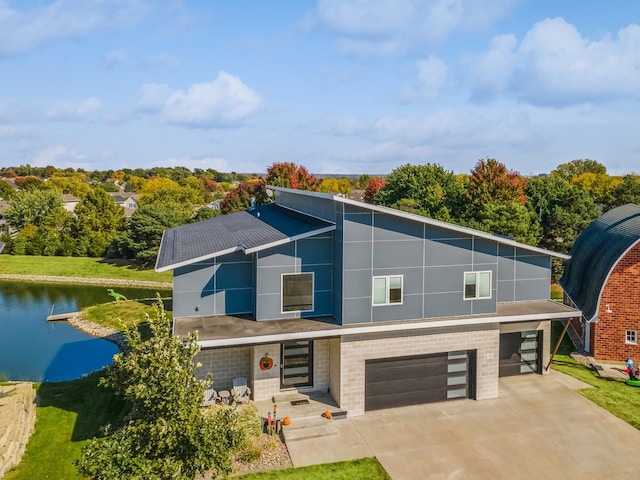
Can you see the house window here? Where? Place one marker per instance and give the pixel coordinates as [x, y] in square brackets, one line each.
[387, 290]
[297, 292]
[632, 337]
[477, 285]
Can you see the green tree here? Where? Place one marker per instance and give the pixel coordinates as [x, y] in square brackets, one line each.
[428, 190]
[290, 175]
[512, 220]
[143, 232]
[6, 190]
[74, 184]
[627, 191]
[99, 220]
[36, 207]
[167, 435]
[563, 211]
[205, 213]
[574, 168]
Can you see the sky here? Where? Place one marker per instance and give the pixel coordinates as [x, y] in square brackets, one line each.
[339, 86]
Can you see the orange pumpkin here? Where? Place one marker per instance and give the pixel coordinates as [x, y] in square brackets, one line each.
[266, 362]
[286, 421]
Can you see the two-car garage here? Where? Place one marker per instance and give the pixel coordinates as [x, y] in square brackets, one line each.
[417, 379]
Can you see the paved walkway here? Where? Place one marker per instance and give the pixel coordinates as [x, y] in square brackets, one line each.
[539, 428]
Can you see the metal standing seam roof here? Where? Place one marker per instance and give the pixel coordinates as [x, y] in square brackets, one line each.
[249, 231]
[596, 252]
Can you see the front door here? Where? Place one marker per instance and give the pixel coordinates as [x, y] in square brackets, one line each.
[297, 364]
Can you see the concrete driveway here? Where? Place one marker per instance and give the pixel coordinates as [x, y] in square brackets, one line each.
[539, 428]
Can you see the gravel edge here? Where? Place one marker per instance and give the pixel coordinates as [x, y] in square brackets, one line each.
[92, 281]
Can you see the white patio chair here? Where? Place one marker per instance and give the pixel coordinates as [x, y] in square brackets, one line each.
[210, 396]
[240, 391]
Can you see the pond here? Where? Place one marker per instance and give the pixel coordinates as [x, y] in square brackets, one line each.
[33, 350]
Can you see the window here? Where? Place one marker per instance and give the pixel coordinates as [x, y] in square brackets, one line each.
[477, 285]
[632, 337]
[297, 292]
[387, 290]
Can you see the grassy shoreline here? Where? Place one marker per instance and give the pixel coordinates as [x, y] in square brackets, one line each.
[80, 270]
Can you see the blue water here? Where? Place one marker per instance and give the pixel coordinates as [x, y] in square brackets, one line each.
[32, 349]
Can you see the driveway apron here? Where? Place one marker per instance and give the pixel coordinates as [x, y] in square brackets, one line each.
[538, 428]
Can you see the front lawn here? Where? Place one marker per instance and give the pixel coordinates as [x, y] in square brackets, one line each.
[84, 267]
[614, 396]
[69, 414]
[360, 469]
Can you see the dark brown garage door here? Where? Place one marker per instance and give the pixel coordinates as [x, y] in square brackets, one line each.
[403, 381]
[520, 353]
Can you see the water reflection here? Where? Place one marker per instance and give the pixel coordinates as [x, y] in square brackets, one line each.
[32, 349]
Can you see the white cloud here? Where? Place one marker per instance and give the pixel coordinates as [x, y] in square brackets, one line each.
[555, 65]
[24, 29]
[69, 110]
[434, 76]
[224, 102]
[62, 157]
[13, 132]
[389, 27]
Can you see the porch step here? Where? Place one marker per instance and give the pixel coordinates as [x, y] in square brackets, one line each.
[288, 397]
[308, 428]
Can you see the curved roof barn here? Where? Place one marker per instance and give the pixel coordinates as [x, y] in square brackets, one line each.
[596, 252]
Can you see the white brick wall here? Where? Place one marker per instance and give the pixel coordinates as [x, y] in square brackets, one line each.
[355, 350]
[224, 364]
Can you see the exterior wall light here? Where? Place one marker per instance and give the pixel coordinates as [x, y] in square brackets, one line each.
[608, 310]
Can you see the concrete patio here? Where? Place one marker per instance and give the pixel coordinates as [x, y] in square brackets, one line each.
[539, 428]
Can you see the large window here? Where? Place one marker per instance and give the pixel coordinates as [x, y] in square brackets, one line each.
[387, 290]
[297, 292]
[477, 285]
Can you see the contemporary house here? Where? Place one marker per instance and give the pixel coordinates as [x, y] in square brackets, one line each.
[379, 307]
[602, 279]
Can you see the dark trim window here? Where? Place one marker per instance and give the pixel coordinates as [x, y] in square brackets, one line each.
[631, 337]
[387, 290]
[477, 285]
[297, 292]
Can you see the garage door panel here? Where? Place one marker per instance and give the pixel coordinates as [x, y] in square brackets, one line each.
[413, 380]
[520, 353]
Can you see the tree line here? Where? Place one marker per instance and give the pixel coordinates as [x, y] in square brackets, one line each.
[548, 211]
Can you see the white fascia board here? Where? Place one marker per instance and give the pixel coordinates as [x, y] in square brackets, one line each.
[427, 220]
[173, 266]
[290, 239]
[368, 329]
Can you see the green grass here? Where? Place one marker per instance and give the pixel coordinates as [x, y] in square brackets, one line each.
[84, 267]
[117, 315]
[360, 469]
[615, 396]
[69, 414]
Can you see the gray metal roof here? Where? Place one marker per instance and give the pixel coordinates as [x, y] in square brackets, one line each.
[595, 253]
[249, 231]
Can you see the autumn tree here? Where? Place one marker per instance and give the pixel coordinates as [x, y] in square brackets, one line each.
[491, 182]
[290, 175]
[240, 197]
[166, 435]
[428, 190]
[572, 169]
[599, 186]
[373, 187]
[335, 185]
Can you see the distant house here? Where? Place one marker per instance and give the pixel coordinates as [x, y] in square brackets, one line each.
[602, 279]
[69, 202]
[216, 204]
[378, 307]
[126, 200]
[4, 206]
